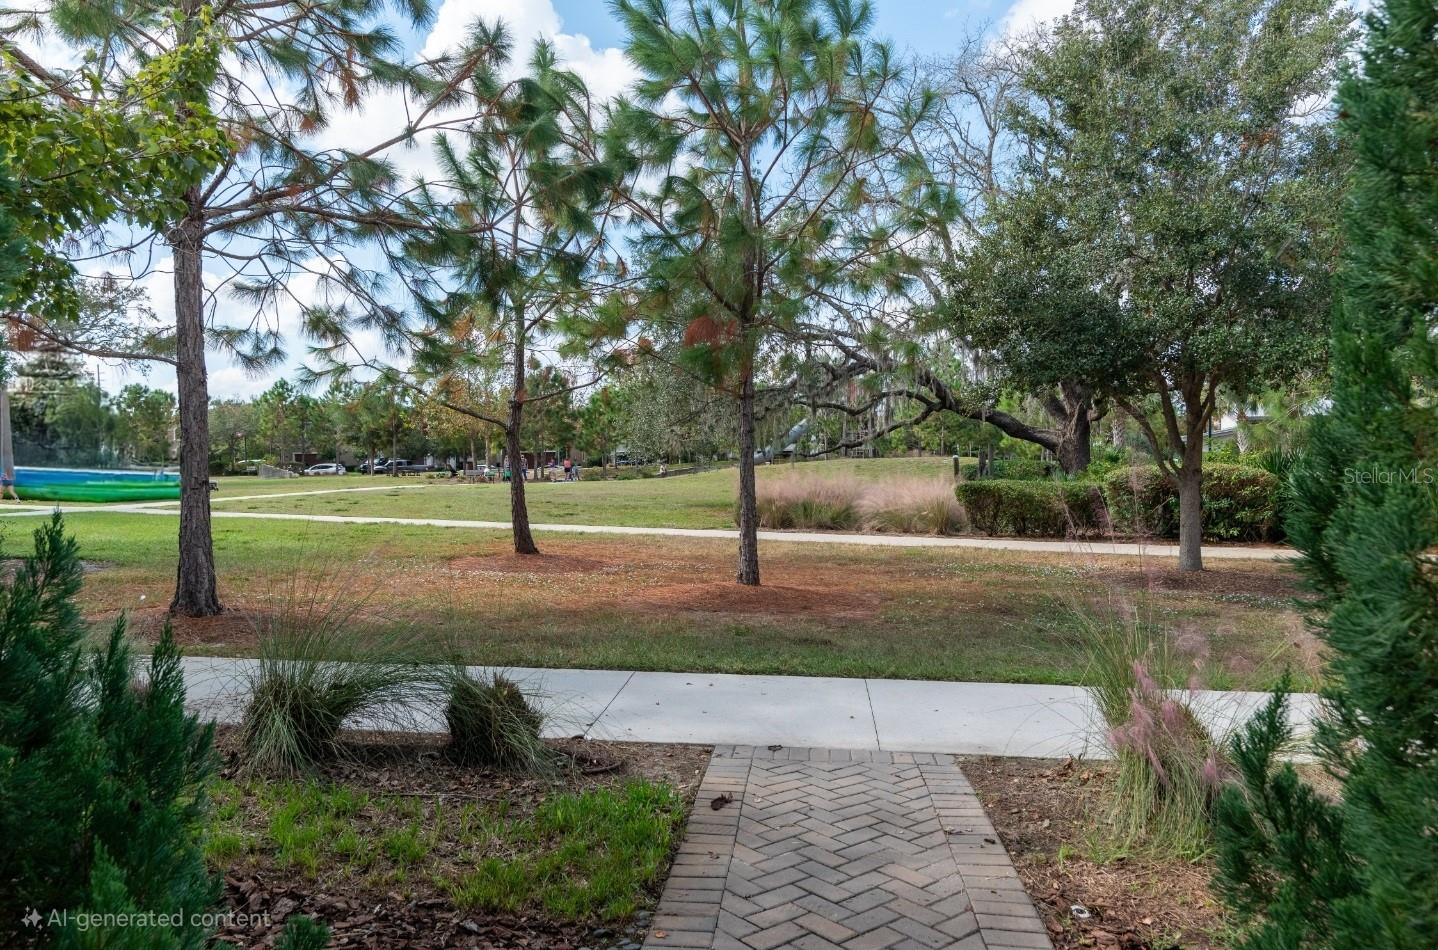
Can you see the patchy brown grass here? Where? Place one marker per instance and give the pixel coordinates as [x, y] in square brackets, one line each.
[670, 603]
[727, 598]
[528, 564]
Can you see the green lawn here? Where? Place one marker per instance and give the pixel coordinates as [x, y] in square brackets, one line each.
[590, 855]
[670, 604]
[705, 500]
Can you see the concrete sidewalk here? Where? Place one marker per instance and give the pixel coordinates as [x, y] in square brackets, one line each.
[1106, 548]
[802, 711]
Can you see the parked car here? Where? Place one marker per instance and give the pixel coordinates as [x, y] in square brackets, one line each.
[326, 468]
[363, 467]
[401, 467]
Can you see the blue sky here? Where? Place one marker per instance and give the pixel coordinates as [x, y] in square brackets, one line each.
[925, 26]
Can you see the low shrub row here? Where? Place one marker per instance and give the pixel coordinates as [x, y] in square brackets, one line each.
[1239, 504]
[1018, 469]
[1040, 508]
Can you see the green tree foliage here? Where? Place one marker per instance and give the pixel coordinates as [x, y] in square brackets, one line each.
[283, 206]
[758, 122]
[663, 412]
[144, 419]
[234, 424]
[516, 239]
[1181, 203]
[1362, 871]
[101, 777]
[71, 160]
[599, 423]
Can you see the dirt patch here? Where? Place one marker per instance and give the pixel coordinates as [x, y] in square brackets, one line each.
[374, 912]
[529, 564]
[10, 565]
[233, 628]
[1043, 811]
[727, 597]
[1278, 583]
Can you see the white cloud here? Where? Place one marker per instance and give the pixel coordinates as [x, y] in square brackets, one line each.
[1024, 15]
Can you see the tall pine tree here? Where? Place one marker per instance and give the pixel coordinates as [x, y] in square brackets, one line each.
[1363, 871]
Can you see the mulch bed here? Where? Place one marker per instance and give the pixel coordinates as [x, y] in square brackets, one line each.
[1040, 806]
[362, 915]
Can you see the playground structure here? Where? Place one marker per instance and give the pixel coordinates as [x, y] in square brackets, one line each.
[79, 484]
[94, 485]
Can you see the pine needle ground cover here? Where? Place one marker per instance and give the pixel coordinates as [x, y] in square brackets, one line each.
[396, 844]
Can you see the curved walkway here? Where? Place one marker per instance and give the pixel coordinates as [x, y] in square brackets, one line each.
[1110, 548]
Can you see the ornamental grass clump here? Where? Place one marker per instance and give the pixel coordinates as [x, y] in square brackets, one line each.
[493, 724]
[912, 506]
[322, 664]
[1169, 766]
[847, 502]
[809, 502]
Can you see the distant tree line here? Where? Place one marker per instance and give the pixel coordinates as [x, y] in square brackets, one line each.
[60, 416]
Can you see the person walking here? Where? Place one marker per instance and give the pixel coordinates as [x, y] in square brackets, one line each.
[569, 470]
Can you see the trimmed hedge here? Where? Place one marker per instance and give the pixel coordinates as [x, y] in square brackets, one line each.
[1013, 469]
[1239, 504]
[1042, 508]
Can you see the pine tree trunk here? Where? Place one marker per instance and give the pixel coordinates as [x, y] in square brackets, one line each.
[518, 508]
[196, 592]
[748, 503]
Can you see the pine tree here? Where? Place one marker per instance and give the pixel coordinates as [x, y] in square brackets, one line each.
[759, 122]
[101, 779]
[1363, 871]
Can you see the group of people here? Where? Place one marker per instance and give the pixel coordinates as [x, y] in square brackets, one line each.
[569, 467]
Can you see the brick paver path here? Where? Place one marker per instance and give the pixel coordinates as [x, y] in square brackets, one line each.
[825, 848]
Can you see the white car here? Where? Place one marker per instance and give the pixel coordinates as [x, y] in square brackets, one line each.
[326, 468]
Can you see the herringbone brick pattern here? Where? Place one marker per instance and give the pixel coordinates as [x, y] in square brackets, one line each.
[825, 848]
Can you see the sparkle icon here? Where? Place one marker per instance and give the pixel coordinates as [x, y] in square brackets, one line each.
[31, 919]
